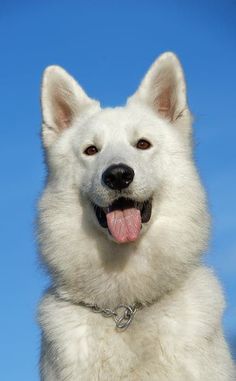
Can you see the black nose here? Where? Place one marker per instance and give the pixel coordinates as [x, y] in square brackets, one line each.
[118, 176]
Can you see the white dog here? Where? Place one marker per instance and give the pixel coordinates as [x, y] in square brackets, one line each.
[123, 223]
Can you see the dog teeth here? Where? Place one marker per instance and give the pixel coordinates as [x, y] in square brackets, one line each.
[109, 208]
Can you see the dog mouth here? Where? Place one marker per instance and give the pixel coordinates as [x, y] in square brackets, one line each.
[124, 218]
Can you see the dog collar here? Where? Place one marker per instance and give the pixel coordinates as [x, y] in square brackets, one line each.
[122, 315]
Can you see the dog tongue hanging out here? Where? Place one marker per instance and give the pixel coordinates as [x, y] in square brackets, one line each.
[122, 226]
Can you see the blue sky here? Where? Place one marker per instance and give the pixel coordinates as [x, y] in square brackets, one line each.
[107, 46]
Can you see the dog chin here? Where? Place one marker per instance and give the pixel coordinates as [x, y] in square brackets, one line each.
[124, 218]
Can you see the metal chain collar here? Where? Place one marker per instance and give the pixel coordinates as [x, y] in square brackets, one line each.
[122, 314]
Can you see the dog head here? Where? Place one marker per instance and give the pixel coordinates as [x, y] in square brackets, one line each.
[123, 196]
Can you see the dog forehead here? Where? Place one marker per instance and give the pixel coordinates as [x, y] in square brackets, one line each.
[112, 118]
[108, 124]
[119, 121]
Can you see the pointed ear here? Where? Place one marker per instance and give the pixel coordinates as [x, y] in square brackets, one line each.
[163, 88]
[62, 101]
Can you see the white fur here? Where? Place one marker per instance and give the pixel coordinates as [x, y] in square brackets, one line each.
[177, 335]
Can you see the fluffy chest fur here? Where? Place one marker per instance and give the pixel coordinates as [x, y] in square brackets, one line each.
[176, 338]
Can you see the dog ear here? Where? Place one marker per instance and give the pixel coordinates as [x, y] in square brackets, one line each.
[62, 101]
[164, 89]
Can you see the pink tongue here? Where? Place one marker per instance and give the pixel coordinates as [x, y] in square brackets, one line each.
[124, 225]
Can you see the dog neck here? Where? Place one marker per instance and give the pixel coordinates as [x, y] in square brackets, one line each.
[122, 315]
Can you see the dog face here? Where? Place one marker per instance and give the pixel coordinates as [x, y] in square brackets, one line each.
[122, 188]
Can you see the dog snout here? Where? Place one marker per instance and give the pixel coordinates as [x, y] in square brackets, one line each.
[118, 176]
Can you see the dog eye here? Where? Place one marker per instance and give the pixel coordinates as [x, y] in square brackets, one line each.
[91, 150]
[143, 144]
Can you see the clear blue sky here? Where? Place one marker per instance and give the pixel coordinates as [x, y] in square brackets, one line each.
[107, 46]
